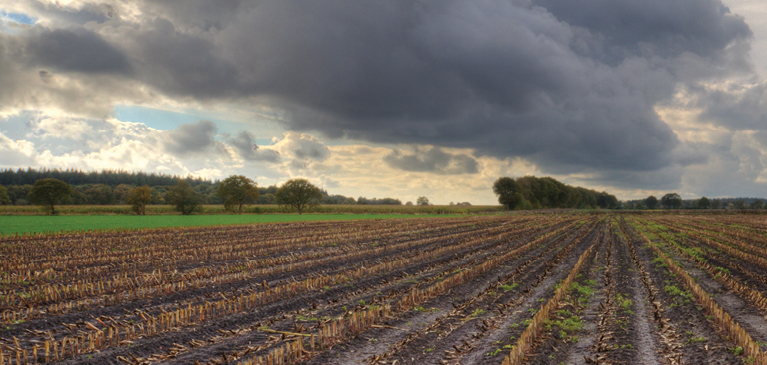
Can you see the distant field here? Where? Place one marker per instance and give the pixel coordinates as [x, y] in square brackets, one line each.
[27, 224]
[256, 209]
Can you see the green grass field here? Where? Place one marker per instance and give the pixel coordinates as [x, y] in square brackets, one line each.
[255, 209]
[30, 224]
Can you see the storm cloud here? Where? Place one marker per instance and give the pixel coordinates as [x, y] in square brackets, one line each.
[191, 138]
[76, 49]
[433, 160]
[570, 86]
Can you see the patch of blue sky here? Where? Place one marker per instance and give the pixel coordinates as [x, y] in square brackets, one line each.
[16, 126]
[17, 17]
[161, 119]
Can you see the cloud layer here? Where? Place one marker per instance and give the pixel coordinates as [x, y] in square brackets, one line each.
[572, 87]
[433, 160]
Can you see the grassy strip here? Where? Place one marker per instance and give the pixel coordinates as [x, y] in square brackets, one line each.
[26, 225]
[257, 209]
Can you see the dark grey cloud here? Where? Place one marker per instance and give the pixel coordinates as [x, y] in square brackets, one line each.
[246, 146]
[736, 107]
[568, 85]
[181, 64]
[76, 49]
[191, 138]
[433, 160]
[506, 78]
[627, 28]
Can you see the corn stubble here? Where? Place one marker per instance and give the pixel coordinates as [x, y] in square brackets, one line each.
[408, 264]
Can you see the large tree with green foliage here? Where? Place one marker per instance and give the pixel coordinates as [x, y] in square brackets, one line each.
[49, 192]
[183, 197]
[508, 191]
[299, 194]
[651, 202]
[138, 198]
[121, 193]
[704, 203]
[422, 200]
[671, 200]
[236, 191]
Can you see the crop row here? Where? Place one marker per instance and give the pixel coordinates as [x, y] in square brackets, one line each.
[721, 317]
[112, 335]
[536, 326]
[532, 270]
[747, 292]
[61, 257]
[417, 296]
[136, 289]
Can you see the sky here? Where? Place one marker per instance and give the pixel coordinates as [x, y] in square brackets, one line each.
[398, 98]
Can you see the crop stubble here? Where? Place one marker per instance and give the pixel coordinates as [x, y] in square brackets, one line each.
[536, 289]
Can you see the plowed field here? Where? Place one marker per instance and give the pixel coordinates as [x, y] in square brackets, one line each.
[519, 289]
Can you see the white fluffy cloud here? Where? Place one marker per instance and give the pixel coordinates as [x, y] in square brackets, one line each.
[302, 147]
[357, 169]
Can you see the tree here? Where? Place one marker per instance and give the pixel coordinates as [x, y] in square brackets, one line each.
[607, 201]
[299, 194]
[19, 194]
[716, 204]
[266, 199]
[740, 204]
[121, 193]
[100, 194]
[757, 204]
[236, 191]
[509, 192]
[183, 197]
[651, 202]
[704, 203]
[4, 198]
[671, 200]
[422, 200]
[138, 198]
[158, 197]
[49, 192]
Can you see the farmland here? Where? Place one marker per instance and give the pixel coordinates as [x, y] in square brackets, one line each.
[527, 288]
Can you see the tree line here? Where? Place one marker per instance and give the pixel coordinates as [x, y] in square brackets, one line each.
[110, 187]
[235, 192]
[109, 177]
[675, 201]
[530, 192]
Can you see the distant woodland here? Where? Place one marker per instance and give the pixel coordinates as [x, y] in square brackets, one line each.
[108, 187]
[530, 192]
